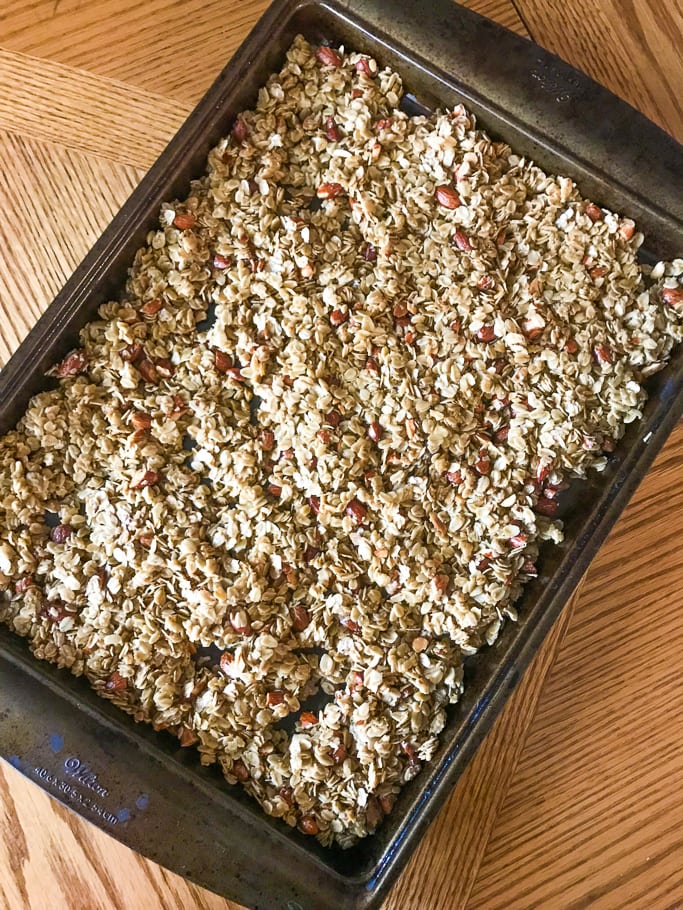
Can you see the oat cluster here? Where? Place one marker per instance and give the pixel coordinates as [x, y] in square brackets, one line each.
[312, 450]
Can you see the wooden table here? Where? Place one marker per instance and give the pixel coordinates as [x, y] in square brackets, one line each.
[576, 798]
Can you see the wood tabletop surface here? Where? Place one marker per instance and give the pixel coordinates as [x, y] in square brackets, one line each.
[575, 799]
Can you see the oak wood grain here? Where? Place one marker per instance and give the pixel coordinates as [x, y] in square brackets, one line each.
[631, 46]
[601, 771]
[567, 802]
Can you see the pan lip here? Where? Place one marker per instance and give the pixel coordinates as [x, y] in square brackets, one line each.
[371, 880]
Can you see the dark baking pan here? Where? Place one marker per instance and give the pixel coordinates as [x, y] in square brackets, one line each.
[137, 784]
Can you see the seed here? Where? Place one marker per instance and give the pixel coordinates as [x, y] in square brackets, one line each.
[240, 130]
[338, 317]
[329, 190]
[672, 296]
[144, 479]
[132, 353]
[447, 197]
[327, 56]
[61, 533]
[594, 212]
[420, 644]
[116, 682]
[308, 719]
[462, 242]
[357, 510]
[73, 364]
[222, 361]
[221, 262]
[486, 334]
[307, 823]
[141, 421]
[276, 697]
[150, 309]
[375, 431]
[332, 131]
[184, 221]
[300, 618]
[148, 370]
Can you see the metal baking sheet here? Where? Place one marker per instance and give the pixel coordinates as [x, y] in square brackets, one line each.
[137, 784]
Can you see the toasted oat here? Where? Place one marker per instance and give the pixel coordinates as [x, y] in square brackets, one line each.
[340, 485]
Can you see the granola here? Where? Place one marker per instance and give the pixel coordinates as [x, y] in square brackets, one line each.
[312, 450]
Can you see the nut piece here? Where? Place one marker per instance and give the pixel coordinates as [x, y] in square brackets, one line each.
[332, 131]
[300, 618]
[144, 479]
[363, 67]
[275, 697]
[141, 421]
[116, 682]
[61, 533]
[132, 353]
[357, 510]
[329, 190]
[221, 262]
[240, 130]
[150, 309]
[594, 212]
[375, 431]
[308, 825]
[184, 221]
[148, 370]
[308, 719]
[327, 56]
[672, 296]
[338, 317]
[462, 242]
[447, 197]
[222, 361]
[73, 364]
